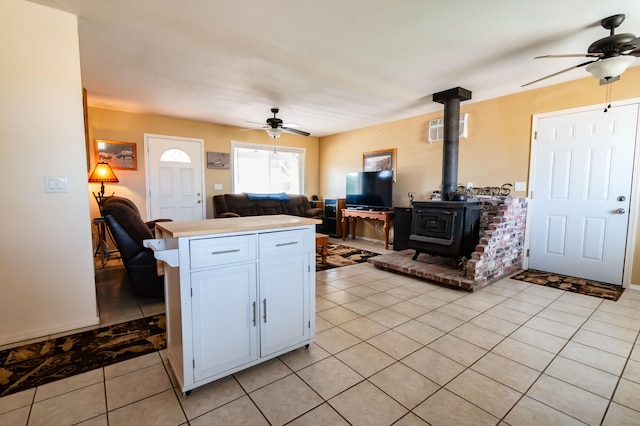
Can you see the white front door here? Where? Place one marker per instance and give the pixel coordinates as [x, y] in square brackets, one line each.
[581, 186]
[174, 177]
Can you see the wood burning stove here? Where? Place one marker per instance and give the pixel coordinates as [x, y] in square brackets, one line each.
[449, 227]
[445, 228]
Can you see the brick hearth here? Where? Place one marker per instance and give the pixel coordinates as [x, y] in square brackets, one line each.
[499, 252]
[434, 268]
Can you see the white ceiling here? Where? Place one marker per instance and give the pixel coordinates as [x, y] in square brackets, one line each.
[329, 65]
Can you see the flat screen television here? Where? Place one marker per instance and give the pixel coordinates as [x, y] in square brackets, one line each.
[370, 190]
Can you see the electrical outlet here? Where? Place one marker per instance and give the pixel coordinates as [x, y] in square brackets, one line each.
[217, 186]
[520, 186]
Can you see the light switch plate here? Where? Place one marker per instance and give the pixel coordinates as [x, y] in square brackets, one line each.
[520, 186]
[55, 184]
[217, 186]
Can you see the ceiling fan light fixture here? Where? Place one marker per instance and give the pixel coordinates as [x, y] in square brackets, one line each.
[610, 67]
[274, 133]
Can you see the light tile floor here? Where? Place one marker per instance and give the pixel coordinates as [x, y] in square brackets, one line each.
[116, 301]
[391, 349]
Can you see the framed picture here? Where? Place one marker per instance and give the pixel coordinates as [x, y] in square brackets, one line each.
[375, 161]
[119, 155]
[218, 160]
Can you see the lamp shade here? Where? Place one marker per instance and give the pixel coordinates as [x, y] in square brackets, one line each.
[610, 67]
[103, 173]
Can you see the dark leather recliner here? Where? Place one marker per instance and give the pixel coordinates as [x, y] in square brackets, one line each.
[128, 231]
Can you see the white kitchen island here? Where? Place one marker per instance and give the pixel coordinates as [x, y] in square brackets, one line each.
[238, 292]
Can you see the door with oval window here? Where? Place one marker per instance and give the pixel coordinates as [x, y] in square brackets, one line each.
[174, 177]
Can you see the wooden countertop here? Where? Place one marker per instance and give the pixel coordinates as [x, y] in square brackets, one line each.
[189, 228]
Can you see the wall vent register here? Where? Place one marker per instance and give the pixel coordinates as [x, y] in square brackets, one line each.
[436, 128]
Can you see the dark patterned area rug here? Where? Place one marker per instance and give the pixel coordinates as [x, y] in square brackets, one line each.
[339, 255]
[572, 284]
[36, 364]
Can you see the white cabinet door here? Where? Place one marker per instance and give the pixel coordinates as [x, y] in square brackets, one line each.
[284, 302]
[225, 319]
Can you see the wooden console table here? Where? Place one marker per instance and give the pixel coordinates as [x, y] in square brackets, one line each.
[353, 215]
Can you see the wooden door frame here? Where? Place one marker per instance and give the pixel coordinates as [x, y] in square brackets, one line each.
[634, 202]
[147, 177]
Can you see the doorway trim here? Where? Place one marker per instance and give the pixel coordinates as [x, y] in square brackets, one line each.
[147, 178]
[634, 202]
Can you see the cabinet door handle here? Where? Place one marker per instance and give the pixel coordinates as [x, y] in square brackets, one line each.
[254, 313]
[225, 251]
[264, 312]
[286, 244]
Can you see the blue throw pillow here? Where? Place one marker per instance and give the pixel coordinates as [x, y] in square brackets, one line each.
[279, 196]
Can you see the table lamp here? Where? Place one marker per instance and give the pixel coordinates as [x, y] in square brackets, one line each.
[102, 173]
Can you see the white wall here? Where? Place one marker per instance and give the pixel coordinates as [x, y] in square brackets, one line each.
[47, 280]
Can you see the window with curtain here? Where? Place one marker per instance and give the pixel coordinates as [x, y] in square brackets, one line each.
[267, 169]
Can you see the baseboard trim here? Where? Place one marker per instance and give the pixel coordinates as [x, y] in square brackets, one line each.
[46, 333]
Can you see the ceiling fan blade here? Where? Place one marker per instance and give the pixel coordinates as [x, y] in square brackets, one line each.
[254, 128]
[572, 55]
[255, 122]
[296, 131]
[633, 44]
[635, 52]
[558, 73]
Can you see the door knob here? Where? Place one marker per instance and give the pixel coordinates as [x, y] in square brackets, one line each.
[622, 198]
[199, 201]
[620, 211]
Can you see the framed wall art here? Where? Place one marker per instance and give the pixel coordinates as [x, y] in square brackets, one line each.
[375, 161]
[119, 155]
[218, 160]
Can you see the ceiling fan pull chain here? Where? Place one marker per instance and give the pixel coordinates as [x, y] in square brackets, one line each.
[608, 97]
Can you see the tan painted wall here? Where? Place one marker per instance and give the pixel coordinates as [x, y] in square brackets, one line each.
[131, 127]
[496, 151]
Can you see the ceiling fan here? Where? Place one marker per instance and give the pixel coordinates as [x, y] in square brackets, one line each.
[610, 56]
[275, 126]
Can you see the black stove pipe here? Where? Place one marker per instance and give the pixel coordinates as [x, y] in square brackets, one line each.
[451, 99]
[450, 146]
